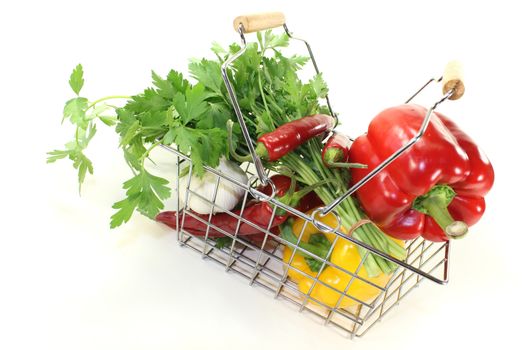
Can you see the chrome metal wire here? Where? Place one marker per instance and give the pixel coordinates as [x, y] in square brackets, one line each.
[262, 264]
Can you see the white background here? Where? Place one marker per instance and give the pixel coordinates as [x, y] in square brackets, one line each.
[68, 282]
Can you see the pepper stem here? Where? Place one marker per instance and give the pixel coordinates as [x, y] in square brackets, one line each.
[333, 155]
[435, 204]
[261, 150]
[346, 165]
[333, 158]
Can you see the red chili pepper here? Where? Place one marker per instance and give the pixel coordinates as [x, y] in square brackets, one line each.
[289, 136]
[437, 186]
[336, 149]
[336, 152]
[256, 212]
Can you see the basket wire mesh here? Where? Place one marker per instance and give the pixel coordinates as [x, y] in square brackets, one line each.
[261, 262]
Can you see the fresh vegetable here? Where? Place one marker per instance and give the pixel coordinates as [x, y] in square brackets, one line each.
[305, 267]
[193, 118]
[83, 114]
[260, 214]
[435, 190]
[336, 152]
[227, 194]
[287, 137]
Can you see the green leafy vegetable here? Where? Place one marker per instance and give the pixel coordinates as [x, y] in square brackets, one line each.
[76, 80]
[82, 115]
[144, 193]
[191, 116]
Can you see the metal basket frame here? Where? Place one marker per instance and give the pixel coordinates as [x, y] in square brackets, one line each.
[262, 263]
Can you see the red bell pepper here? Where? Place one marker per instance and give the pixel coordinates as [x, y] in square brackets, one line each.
[436, 189]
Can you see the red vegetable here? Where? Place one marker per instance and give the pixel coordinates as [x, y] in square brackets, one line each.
[256, 212]
[432, 190]
[336, 152]
[336, 149]
[289, 136]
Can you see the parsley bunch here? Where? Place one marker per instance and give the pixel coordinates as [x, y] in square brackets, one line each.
[191, 116]
[82, 113]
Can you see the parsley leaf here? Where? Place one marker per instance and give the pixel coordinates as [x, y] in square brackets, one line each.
[191, 105]
[167, 88]
[145, 193]
[75, 110]
[205, 146]
[82, 114]
[209, 74]
[83, 164]
[76, 80]
[319, 86]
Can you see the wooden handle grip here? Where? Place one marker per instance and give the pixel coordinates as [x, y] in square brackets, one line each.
[259, 21]
[453, 79]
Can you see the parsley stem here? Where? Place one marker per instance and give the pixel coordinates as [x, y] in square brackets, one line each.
[113, 97]
[146, 154]
[264, 98]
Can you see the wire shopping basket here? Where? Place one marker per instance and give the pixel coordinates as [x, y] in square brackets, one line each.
[260, 259]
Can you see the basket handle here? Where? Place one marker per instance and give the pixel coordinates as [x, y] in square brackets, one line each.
[453, 80]
[247, 24]
[259, 21]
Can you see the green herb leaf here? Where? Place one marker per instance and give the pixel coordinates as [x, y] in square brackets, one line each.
[167, 88]
[208, 73]
[144, 193]
[56, 155]
[131, 132]
[275, 41]
[223, 242]
[204, 146]
[83, 164]
[109, 121]
[319, 86]
[80, 161]
[76, 80]
[219, 51]
[75, 110]
[192, 105]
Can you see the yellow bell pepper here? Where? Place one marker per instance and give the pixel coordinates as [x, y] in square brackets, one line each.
[344, 254]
